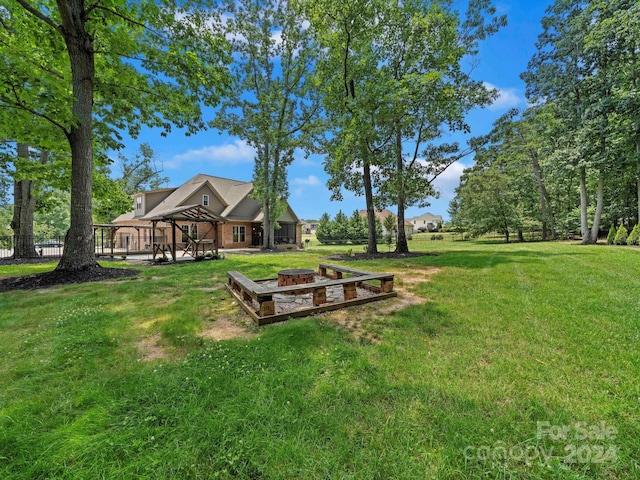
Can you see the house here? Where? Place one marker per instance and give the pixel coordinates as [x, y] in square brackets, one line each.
[203, 210]
[382, 214]
[309, 227]
[427, 222]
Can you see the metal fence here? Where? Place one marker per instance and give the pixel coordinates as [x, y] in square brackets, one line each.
[43, 247]
[52, 247]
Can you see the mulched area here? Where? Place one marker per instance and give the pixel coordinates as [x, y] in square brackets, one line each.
[345, 257]
[58, 277]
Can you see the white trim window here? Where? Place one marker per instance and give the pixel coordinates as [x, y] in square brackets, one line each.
[239, 233]
[185, 233]
[138, 203]
[205, 200]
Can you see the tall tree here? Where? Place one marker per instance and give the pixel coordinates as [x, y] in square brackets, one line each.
[347, 32]
[396, 71]
[521, 140]
[422, 48]
[24, 205]
[580, 81]
[486, 202]
[272, 105]
[140, 172]
[615, 36]
[70, 61]
[113, 191]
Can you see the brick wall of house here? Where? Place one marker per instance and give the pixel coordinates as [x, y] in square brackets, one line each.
[299, 234]
[227, 235]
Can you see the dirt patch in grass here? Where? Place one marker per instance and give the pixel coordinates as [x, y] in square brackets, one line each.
[150, 349]
[58, 277]
[364, 322]
[227, 329]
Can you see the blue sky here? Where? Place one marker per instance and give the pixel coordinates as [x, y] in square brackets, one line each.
[501, 59]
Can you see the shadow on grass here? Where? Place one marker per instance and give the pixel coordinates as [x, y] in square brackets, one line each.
[427, 319]
[483, 259]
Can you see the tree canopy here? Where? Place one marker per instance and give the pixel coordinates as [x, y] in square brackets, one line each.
[576, 149]
[80, 72]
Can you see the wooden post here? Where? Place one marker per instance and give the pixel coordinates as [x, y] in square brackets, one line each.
[173, 240]
[215, 239]
[319, 296]
[350, 291]
[267, 307]
[386, 285]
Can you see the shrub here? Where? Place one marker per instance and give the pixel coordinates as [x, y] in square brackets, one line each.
[611, 236]
[634, 236]
[621, 236]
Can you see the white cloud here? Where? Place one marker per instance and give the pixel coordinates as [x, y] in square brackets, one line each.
[449, 180]
[507, 98]
[225, 154]
[310, 181]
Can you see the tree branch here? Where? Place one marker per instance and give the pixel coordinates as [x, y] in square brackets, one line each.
[97, 6]
[7, 104]
[38, 14]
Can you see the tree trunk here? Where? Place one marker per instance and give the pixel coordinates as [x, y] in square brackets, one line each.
[584, 204]
[595, 228]
[372, 241]
[24, 206]
[548, 220]
[401, 241]
[638, 191]
[24, 209]
[78, 251]
[267, 241]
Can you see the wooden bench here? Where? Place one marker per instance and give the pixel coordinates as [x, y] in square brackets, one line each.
[250, 290]
[338, 271]
[386, 279]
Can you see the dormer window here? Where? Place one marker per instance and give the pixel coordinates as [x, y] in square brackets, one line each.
[205, 200]
[138, 203]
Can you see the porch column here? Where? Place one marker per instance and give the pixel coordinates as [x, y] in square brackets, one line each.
[173, 240]
[215, 237]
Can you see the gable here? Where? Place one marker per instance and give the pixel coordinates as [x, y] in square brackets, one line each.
[288, 216]
[196, 198]
[246, 209]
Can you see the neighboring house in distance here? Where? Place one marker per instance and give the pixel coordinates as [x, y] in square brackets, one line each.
[382, 214]
[239, 217]
[309, 227]
[427, 222]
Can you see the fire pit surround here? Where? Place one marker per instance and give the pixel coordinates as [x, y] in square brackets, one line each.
[295, 276]
[299, 292]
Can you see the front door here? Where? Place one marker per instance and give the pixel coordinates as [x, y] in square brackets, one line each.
[256, 235]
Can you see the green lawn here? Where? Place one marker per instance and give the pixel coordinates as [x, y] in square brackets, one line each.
[521, 363]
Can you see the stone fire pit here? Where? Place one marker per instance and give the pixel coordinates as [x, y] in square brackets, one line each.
[298, 292]
[295, 276]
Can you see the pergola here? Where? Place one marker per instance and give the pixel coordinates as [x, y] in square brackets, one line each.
[188, 213]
